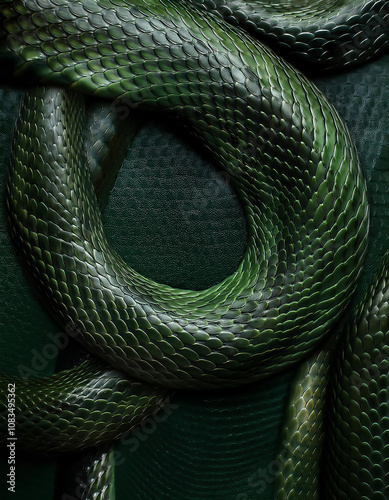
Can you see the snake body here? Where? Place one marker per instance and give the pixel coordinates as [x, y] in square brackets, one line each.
[317, 36]
[288, 154]
[90, 397]
[264, 316]
[358, 400]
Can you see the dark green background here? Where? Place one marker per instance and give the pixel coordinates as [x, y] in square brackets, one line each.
[176, 220]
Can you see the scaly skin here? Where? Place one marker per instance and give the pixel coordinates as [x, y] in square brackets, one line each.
[303, 433]
[287, 152]
[357, 445]
[339, 404]
[316, 36]
[88, 405]
[301, 188]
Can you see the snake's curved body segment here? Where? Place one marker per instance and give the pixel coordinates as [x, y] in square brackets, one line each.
[288, 154]
[358, 428]
[319, 35]
[88, 405]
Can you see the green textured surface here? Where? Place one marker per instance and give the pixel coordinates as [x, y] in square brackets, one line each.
[94, 392]
[367, 135]
[287, 153]
[356, 462]
[31, 329]
[34, 324]
[303, 431]
[316, 35]
[179, 221]
[361, 97]
[15, 294]
[368, 127]
[220, 213]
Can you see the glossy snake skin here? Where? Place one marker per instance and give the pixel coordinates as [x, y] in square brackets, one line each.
[289, 157]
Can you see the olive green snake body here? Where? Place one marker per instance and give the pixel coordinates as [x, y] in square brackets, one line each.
[288, 154]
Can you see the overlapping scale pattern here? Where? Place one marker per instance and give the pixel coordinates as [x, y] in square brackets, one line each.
[108, 135]
[316, 36]
[294, 168]
[75, 409]
[99, 478]
[289, 156]
[90, 476]
[303, 432]
[357, 443]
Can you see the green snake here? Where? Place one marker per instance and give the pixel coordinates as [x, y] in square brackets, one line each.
[288, 154]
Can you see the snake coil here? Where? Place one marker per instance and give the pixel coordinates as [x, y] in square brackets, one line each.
[288, 154]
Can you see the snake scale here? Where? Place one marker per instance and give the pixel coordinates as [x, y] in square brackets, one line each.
[291, 162]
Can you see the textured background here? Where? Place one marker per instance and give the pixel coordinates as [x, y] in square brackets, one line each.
[174, 218]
